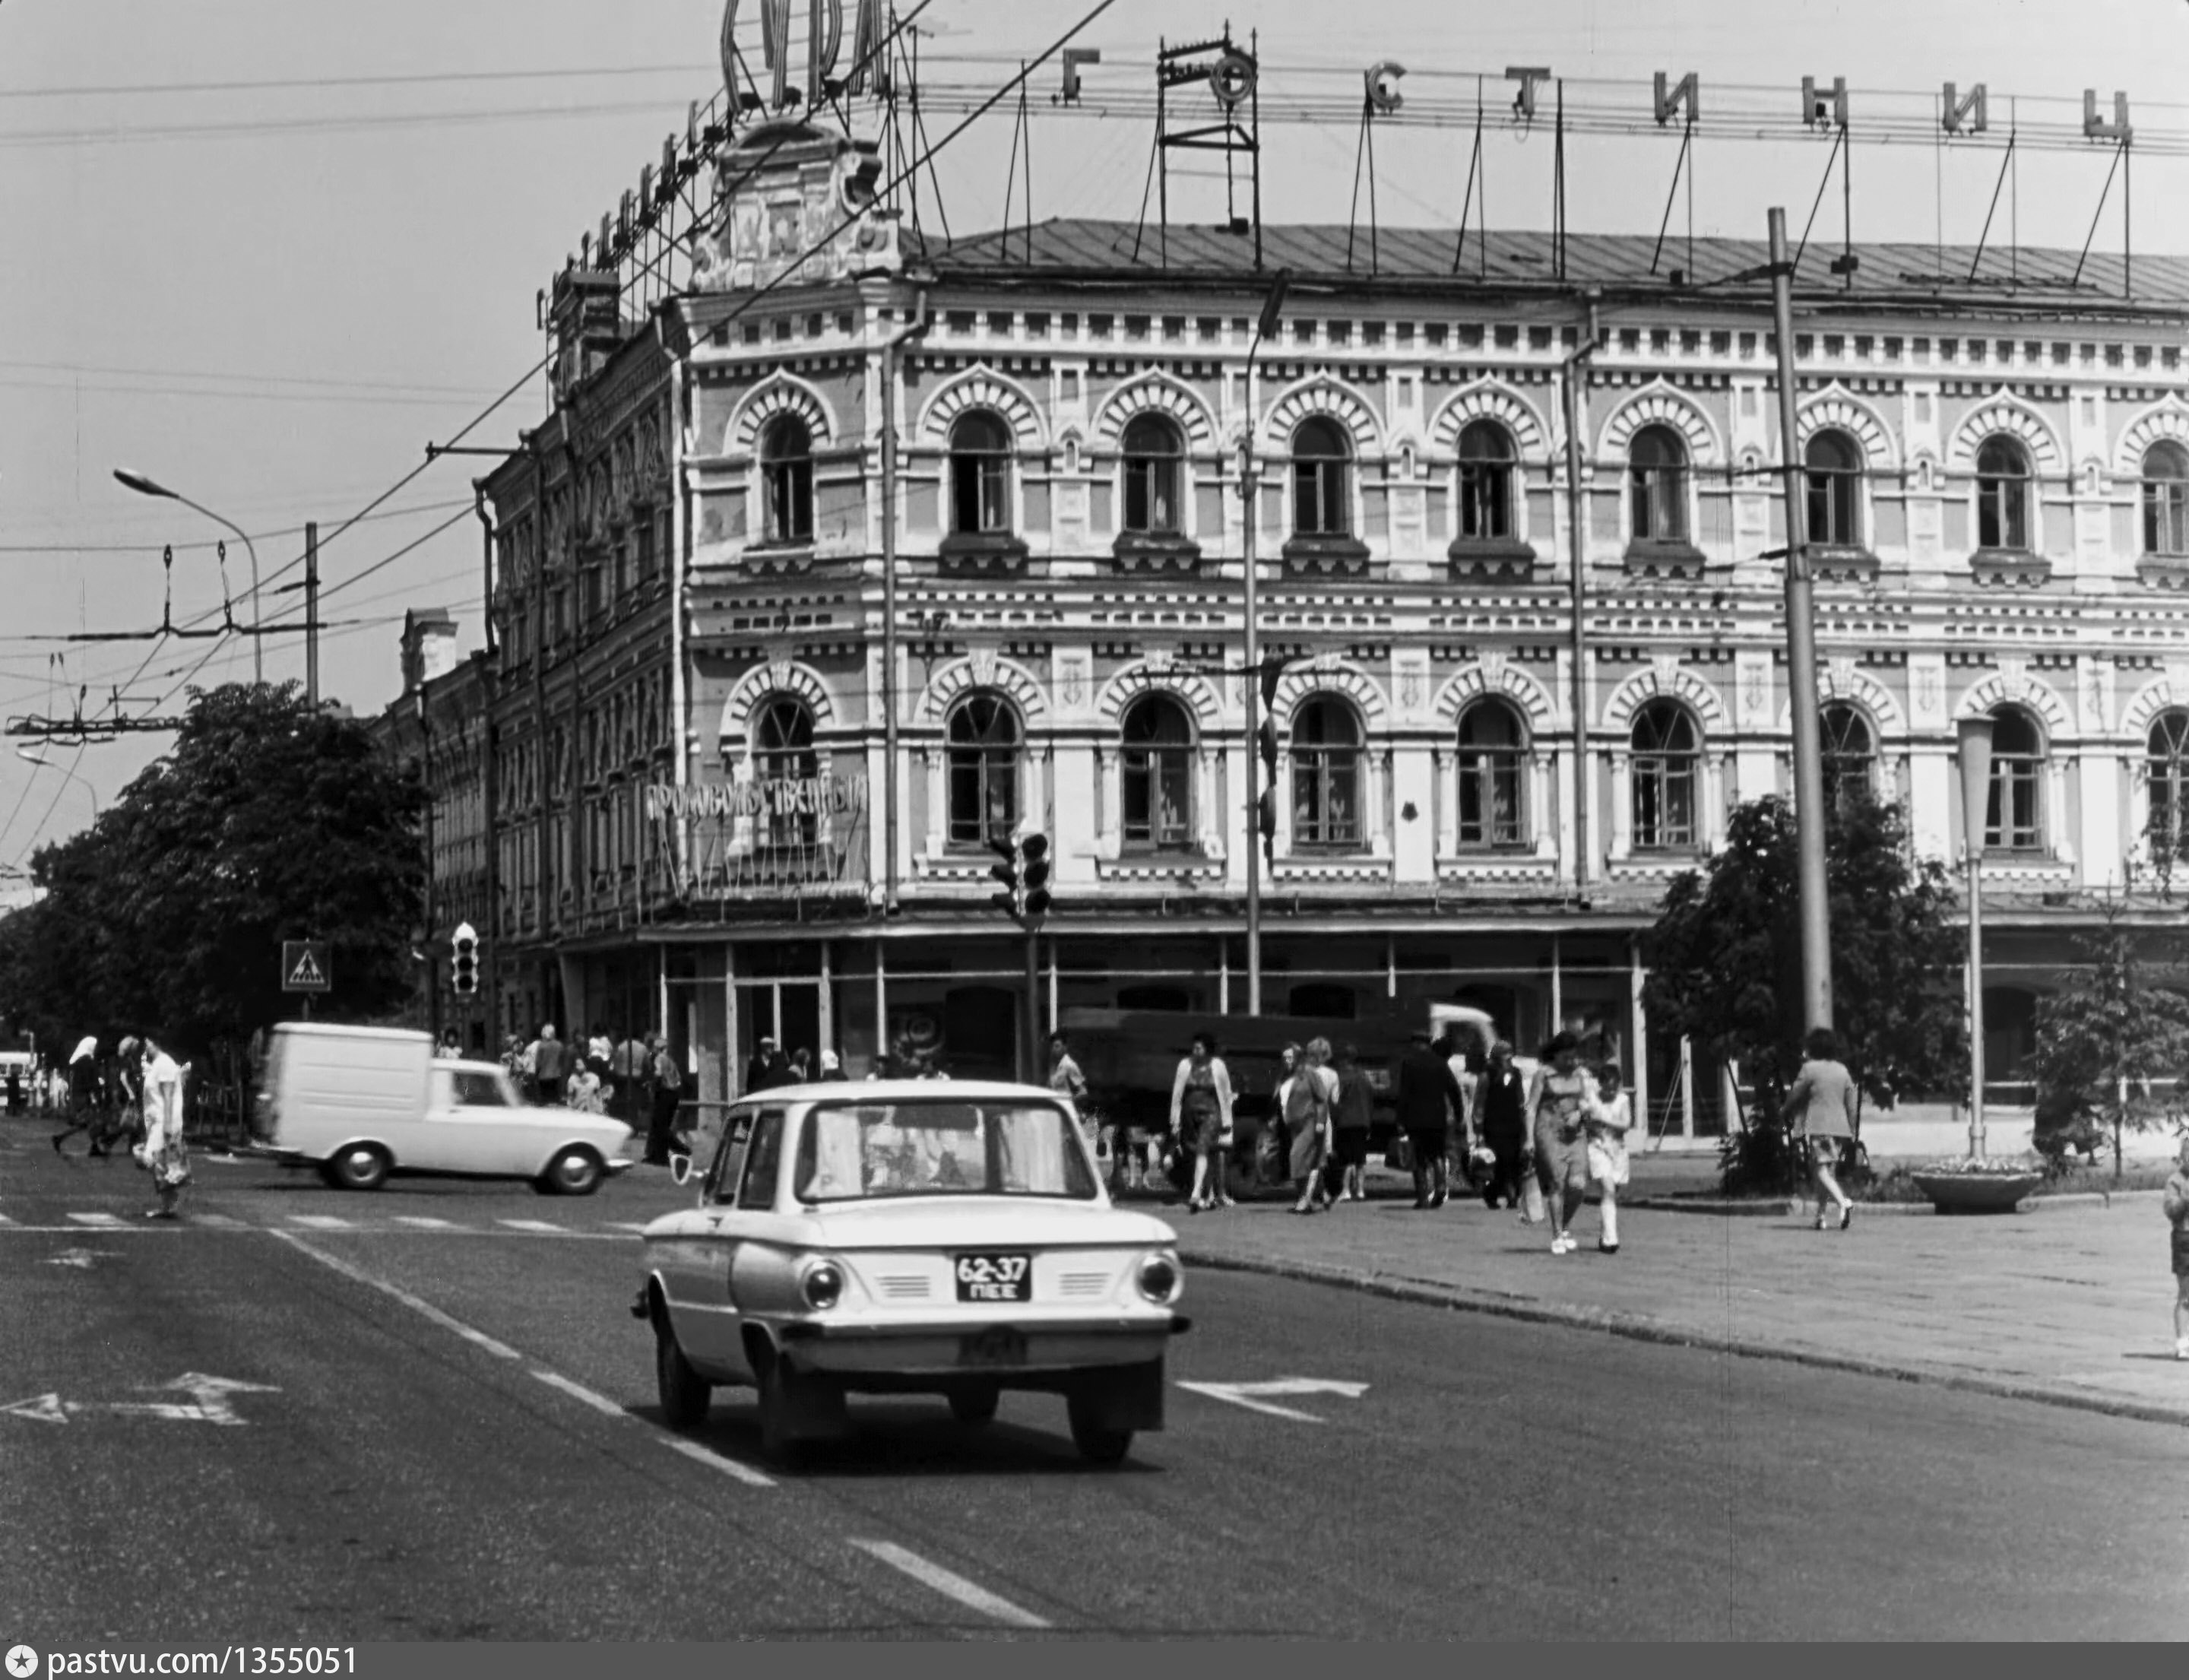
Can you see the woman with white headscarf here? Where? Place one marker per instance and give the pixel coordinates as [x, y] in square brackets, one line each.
[83, 1097]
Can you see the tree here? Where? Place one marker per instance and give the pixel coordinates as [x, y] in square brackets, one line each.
[1726, 959]
[2118, 1023]
[270, 820]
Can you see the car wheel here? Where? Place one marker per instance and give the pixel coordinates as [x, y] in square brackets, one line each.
[685, 1394]
[362, 1166]
[574, 1172]
[1097, 1444]
[976, 1404]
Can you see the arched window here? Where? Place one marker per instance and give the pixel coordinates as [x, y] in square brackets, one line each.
[782, 736]
[786, 469]
[1666, 758]
[1850, 755]
[1657, 472]
[1835, 490]
[1154, 455]
[1492, 776]
[2166, 500]
[1485, 482]
[979, 476]
[2002, 495]
[2169, 769]
[984, 770]
[1322, 502]
[1326, 776]
[2014, 814]
[1157, 775]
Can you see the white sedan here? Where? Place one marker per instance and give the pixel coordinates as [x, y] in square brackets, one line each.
[909, 1236]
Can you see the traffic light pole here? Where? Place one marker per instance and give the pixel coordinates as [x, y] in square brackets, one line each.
[1032, 1047]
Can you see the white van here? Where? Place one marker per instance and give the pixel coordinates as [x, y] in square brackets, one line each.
[362, 1102]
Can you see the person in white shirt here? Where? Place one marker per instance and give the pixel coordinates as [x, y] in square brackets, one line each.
[165, 1156]
[1608, 1118]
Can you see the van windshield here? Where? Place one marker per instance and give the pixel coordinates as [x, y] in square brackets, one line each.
[858, 1150]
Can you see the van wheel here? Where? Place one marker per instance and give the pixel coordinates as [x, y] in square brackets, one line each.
[685, 1394]
[362, 1166]
[574, 1172]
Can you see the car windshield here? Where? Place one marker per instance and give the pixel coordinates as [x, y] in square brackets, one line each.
[851, 1151]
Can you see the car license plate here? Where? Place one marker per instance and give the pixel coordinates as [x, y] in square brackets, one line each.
[999, 1345]
[995, 1277]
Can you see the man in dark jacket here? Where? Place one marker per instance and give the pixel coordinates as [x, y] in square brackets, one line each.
[766, 1070]
[1430, 1103]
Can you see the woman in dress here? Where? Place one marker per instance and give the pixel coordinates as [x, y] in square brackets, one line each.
[167, 1157]
[1308, 1098]
[1563, 1093]
[1610, 1118]
[1350, 1122]
[1200, 1110]
[1820, 1111]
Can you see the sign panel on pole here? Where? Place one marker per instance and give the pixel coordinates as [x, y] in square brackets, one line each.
[307, 965]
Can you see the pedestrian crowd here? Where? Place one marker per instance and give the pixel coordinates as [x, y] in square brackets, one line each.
[631, 1076]
[135, 1101]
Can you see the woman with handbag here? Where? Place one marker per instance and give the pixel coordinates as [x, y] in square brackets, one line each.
[1820, 1110]
[1200, 1114]
[1563, 1093]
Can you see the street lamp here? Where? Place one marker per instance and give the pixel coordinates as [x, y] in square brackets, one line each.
[1972, 736]
[151, 487]
[1272, 308]
[43, 763]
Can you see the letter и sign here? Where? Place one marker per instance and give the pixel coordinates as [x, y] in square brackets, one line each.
[307, 965]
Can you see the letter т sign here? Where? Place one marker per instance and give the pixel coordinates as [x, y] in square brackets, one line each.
[307, 965]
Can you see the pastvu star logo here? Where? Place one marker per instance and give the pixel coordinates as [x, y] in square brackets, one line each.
[22, 1662]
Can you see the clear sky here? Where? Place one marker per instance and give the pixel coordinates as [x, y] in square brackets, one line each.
[272, 296]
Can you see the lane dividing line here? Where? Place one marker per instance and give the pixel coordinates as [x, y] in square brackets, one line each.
[427, 1310]
[578, 1391]
[950, 1586]
[555, 1380]
[715, 1460]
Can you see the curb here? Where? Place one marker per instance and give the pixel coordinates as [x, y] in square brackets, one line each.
[1635, 1327]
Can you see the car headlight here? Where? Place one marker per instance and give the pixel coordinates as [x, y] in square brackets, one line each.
[821, 1285]
[1159, 1279]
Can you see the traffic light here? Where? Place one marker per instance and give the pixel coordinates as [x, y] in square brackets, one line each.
[1007, 872]
[1033, 877]
[464, 966]
[1266, 812]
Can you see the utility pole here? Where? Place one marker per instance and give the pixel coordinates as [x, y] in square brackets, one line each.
[1249, 492]
[1802, 661]
[312, 614]
[1577, 527]
[891, 346]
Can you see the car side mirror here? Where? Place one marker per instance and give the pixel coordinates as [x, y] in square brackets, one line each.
[679, 1169]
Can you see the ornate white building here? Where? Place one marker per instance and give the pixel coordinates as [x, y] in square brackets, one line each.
[693, 796]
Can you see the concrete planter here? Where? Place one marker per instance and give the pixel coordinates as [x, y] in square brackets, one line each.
[1977, 1193]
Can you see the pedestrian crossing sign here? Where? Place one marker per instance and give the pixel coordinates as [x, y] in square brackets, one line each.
[307, 965]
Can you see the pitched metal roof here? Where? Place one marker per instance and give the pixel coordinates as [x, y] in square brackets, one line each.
[1409, 259]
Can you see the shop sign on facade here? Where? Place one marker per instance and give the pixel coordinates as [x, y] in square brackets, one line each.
[777, 796]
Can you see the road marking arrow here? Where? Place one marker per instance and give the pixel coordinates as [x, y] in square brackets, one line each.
[1252, 1395]
[80, 1258]
[208, 1395]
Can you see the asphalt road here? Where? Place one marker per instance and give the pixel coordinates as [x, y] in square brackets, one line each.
[454, 1436]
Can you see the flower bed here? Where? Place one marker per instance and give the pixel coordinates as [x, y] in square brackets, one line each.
[1972, 1186]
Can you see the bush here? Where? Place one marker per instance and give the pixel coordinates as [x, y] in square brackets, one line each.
[1761, 1159]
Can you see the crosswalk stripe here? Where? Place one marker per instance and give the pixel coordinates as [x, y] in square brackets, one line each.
[621, 1225]
[320, 1222]
[418, 1223]
[5, 1220]
[97, 1218]
[530, 1225]
[218, 1222]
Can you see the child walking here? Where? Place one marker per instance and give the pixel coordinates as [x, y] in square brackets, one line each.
[1610, 1118]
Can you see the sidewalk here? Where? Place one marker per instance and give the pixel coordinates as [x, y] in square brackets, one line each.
[2070, 1307]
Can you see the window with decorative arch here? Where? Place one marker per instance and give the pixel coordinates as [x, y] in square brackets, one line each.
[781, 734]
[1493, 776]
[1154, 464]
[2003, 482]
[980, 475]
[2166, 763]
[1326, 749]
[1487, 458]
[1657, 484]
[1322, 462]
[786, 471]
[1834, 463]
[2166, 500]
[2014, 810]
[1157, 743]
[1664, 770]
[982, 742]
[1850, 755]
